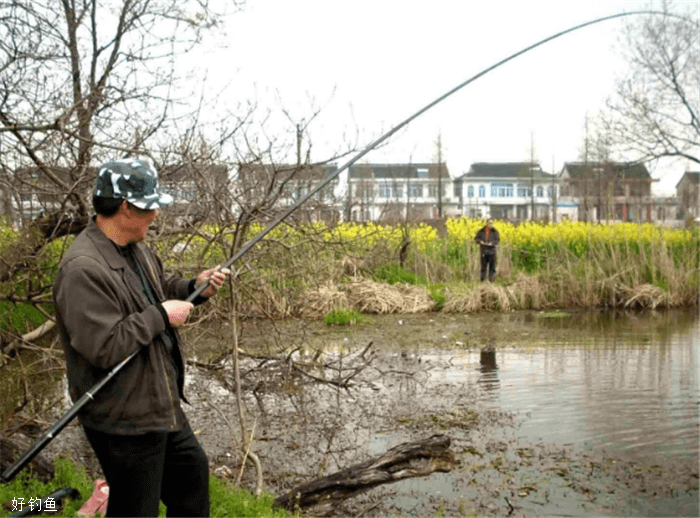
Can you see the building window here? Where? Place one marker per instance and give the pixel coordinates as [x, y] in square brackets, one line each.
[470, 191]
[384, 191]
[482, 191]
[433, 191]
[415, 191]
[501, 190]
[552, 191]
[422, 173]
[524, 190]
[364, 192]
[540, 192]
[398, 191]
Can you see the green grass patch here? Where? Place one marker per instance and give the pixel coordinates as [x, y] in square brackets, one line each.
[437, 293]
[26, 487]
[227, 500]
[343, 317]
[394, 274]
[554, 314]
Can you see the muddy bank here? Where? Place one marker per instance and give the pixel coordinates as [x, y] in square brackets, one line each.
[303, 429]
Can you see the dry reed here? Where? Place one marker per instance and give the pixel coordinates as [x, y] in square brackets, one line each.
[320, 301]
[373, 297]
[645, 296]
[527, 293]
[483, 297]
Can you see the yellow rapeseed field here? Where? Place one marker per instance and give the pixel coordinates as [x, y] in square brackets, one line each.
[576, 236]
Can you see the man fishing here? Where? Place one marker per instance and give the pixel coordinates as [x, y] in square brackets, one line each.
[488, 238]
[113, 298]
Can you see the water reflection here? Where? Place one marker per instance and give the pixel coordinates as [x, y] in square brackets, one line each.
[488, 368]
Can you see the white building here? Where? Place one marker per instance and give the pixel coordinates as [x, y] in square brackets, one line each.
[512, 190]
[397, 192]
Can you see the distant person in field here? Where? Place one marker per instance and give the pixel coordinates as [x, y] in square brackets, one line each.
[488, 238]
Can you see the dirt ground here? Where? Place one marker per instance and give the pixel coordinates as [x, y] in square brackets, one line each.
[303, 429]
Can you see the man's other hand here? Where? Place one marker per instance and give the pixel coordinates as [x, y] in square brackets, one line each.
[178, 311]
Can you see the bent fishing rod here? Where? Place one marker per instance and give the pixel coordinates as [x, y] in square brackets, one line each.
[54, 430]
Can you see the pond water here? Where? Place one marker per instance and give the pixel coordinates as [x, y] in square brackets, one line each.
[621, 382]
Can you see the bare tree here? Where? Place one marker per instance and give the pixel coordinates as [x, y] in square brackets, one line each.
[439, 158]
[84, 81]
[598, 178]
[655, 111]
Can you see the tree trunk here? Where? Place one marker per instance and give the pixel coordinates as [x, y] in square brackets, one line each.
[407, 460]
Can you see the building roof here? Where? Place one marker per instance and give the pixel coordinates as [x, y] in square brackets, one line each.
[284, 172]
[621, 169]
[396, 171]
[510, 170]
[693, 177]
[178, 173]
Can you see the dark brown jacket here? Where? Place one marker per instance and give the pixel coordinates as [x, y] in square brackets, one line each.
[103, 317]
[492, 241]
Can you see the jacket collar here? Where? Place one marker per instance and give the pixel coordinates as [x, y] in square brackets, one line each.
[105, 246]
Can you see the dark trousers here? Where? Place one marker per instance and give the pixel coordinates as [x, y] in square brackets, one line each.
[488, 262]
[142, 470]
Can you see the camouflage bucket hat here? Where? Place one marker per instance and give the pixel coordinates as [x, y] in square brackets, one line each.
[133, 180]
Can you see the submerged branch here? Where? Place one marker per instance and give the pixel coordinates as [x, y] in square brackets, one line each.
[407, 460]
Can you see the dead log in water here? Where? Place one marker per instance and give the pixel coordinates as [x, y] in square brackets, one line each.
[407, 460]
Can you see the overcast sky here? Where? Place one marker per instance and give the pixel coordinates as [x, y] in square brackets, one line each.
[372, 63]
